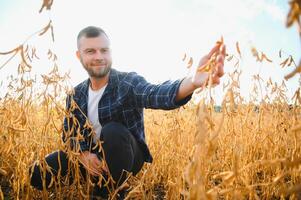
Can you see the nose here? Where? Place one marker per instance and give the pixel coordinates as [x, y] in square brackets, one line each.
[98, 55]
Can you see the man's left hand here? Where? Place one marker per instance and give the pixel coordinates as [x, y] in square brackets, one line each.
[210, 68]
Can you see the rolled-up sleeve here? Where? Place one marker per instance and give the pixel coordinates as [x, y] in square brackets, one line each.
[155, 96]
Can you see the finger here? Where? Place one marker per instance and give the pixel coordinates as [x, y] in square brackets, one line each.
[104, 167]
[101, 167]
[213, 50]
[90, 169]
[84, 162]
[220, 65]
[97, 171]
[98, 164]
[220, 70]
[203, 68]
[96, 167]
[94, 173]
[223, 50]
[96, 161]
[215, 80]
[220, 58]
[90, 166]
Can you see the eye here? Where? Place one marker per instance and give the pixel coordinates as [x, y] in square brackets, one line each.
[104, 50]
[90, 51]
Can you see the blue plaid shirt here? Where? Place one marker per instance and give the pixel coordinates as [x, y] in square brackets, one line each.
[123, 101]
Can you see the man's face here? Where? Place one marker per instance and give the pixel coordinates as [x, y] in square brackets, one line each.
[95, 55]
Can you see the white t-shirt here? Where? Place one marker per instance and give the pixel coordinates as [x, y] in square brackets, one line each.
[93, 100]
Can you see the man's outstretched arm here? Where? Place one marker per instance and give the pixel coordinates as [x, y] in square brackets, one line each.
[210, 65]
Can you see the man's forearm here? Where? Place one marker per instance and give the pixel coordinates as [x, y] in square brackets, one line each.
[186, 88]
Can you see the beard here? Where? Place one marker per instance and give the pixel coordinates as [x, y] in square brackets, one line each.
[94, 72]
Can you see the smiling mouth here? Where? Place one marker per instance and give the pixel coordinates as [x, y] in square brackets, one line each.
[99, 65]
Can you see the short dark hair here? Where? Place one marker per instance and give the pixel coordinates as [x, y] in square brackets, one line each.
[90, 32]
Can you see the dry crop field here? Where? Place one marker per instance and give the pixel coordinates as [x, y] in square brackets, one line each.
[242, 152]
[239, 150]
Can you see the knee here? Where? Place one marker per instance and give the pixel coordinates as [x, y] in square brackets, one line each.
[41, 173]
[115, 133]
[36, 177]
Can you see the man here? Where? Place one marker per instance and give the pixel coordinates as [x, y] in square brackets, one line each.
[108, 107]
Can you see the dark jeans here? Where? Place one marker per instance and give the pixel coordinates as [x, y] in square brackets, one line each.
[121, 150]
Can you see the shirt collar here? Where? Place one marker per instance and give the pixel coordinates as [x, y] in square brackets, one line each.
[113, 82]
[113, 78]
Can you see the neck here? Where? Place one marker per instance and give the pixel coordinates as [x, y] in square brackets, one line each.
[98, 83]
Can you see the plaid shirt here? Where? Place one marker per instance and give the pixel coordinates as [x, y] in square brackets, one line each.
[123, 101]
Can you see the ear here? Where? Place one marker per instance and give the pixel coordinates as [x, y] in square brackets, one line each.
[77, 54]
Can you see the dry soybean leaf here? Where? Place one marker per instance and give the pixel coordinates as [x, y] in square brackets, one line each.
[1, 193]
[294, 13]
[294, 72]
[278, 178]
[184, 57]
[255, 53]
[49, 54]
[297, 96]
[230, 58]
[229, 178]
[220, 42]
[294, 163]
[54, 57]
[28, 57]
[231, 98]
[236, 64]
[284, 62]
[20, 96]
[238, 49]
[3, 172]
[190, 62]
[225, 85]
[16, 129]
[46, 4]
[235, 84]
[26, 48]
[296, 128]
[83, 194]
[291, 60]
[23, 57]
[51, 182]
[33, 54]
[12, 51]
[222, 174]
[270, 82]
[293, 189]
[45, 29]
[264, 57]
[52, 33]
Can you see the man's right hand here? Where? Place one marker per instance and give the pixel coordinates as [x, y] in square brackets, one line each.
[92, 164]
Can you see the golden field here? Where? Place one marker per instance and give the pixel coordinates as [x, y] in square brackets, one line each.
[240, 150]
[245, 151]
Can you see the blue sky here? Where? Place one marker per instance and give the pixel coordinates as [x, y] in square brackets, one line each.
[151, 37]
